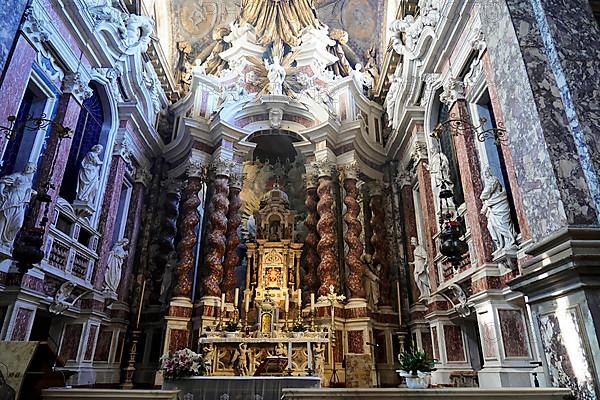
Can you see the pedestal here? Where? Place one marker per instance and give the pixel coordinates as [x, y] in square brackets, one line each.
[178, 333]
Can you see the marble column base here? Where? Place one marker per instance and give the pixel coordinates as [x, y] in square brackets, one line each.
[178, 319]
[491, 377]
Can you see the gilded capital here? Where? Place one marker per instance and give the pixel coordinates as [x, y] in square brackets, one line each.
[350, 171]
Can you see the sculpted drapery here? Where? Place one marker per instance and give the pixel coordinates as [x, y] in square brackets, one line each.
[281, 19]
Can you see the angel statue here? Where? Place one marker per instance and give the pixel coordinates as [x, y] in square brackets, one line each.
[276, 75]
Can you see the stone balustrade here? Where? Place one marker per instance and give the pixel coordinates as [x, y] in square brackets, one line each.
[442, 394]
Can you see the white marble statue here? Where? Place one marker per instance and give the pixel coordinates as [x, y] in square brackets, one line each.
[371, 281]
[319, 354]
[360, 78]
[15, 194]
[439, 168]
[167, 278]
[242, 357]
[420, 273]
[210, 355]
[62, 298]
[275, 75]
[138, 30]
[114, 266]
[497, 211]
[88, 181]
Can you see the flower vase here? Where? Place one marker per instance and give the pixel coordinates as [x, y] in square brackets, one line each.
[420, 381]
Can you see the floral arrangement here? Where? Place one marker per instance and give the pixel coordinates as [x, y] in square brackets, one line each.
[183, 363]
[414, 361]
[298, 327]
[231, 326]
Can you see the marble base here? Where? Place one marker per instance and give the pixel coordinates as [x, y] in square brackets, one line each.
[505, 377]
[83, 209]
[417, 394]
[97, 394]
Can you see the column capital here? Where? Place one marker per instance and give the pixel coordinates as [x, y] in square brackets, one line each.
[122, 148]
[403, 179]
[454, 90]
[419, 152]
[196, 169]
[222, 168]
[236, 180]
[375, 188]
[75, 84]
[172, 185]
[323, 169]
[311, 180]
[143, 176]
[349, 171]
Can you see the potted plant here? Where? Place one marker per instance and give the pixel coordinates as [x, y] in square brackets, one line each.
[298, 329]
[416, 368]
[231, 329]
[183, 363]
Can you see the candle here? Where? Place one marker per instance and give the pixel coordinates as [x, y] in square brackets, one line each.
[287, 302]
[289, 355]
[235, 297]
[247, 297]
[309, 354]
[137, 325]
[299, 298]
[312, 302]
[222, 302]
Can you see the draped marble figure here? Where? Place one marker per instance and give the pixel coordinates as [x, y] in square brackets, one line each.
[276, 76]
[15, 194]
[497, 211]
[420, 274]
[114, 265]
[88, 181]
[283, 20]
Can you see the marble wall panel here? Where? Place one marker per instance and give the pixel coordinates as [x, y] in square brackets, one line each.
[103, 345]
[91, 340]
[434, 338]
[21, 324]
[514, 333]
[358, 370]
[455, 346]
[356, 342]
[11, 14]
[426, 340]
[70, 342]
[178, 340]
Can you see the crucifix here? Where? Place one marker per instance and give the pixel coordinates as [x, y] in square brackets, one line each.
[332, 298]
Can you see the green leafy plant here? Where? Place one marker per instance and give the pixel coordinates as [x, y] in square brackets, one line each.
[231, 326]
[298, 327]
[413, 361]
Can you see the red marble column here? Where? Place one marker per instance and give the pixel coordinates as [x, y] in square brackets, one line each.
[410, 226]
[55, 157]
[353, 231]
[326, 228]
[133, 229]
[188, 232]
[108, 216]
[311, 256]
[216, 235]
[15, 82]
[430, 220]
[233, 240]
[380, 244]
[468, 162]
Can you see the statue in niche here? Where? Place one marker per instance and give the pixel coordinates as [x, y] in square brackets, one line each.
[167, 278]
[241, 359]
[420, 274]
[371, 281]
[15, 194]
[114, 266]
[273, 278]
[274, 234]
[496, 209]
[275, 75]
[88, 182]
[439, 168]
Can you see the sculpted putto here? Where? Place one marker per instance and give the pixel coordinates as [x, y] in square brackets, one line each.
[15, 194]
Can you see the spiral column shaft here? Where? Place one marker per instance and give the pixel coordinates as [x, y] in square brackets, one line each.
[233, 240]
[379, 243]
[352, 238]
[216, 236]
[326, 228]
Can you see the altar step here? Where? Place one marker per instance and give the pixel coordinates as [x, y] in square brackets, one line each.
[439, 394]
[103, 394]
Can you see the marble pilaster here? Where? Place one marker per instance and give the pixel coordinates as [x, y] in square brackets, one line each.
[468, 164]
[10, 14]
[108, 216]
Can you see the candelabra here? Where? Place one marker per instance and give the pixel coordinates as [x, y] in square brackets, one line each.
[332, 298]
[220, 321]
[313, 314]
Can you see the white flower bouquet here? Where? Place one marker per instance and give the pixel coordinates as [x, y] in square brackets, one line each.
[183, 363]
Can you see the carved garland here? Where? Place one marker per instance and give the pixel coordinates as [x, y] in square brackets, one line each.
[216, 237]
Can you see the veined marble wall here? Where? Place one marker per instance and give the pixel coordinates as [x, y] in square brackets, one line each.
[11, 13]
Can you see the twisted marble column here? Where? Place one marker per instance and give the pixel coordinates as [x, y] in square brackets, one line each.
[189, 236]
[311, 256]
[353, 231]
[166, 238]
[326, 229]
[379, 243]
[216, 234]
[233, 240]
